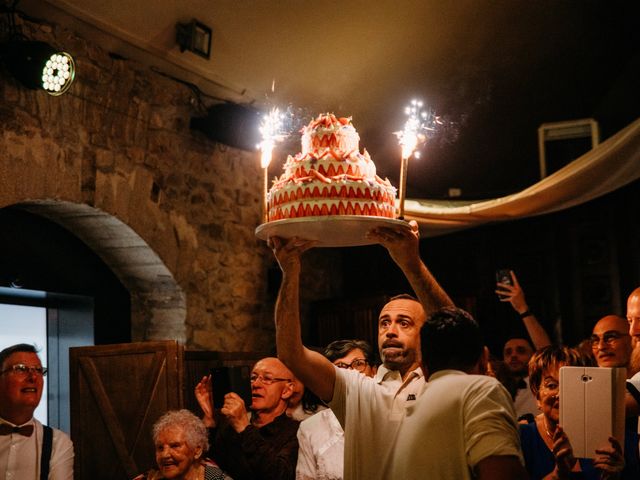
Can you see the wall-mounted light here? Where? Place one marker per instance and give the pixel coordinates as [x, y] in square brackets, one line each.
[195, 37]
[38, 65]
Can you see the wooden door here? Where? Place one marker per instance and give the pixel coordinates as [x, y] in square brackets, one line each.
[117, 393]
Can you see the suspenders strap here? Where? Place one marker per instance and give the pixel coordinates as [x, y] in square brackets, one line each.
[47, 444]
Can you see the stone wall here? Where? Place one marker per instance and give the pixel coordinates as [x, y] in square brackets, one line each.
[119, 141]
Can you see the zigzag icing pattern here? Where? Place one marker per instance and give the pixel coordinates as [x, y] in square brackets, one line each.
[330, 176]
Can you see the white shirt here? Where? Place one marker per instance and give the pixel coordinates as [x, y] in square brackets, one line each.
[321, 448]
[525, 401]
[20, 455]
[370, 411]
[458, 421]
[635, 383]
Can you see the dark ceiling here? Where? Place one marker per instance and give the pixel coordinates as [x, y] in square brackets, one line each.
[494, 70]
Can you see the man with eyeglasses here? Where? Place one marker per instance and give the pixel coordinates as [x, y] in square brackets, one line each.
[321, 437]
[27, 448]
[611, 346]
[263, 445]
[611, 342]
[370, 410]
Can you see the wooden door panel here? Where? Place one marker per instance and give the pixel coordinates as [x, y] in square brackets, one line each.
[117, 393]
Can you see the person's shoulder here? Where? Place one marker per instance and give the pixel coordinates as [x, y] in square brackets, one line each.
[60, 436]
[320, 417]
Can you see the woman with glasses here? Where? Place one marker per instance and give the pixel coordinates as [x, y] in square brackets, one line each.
[321, 437]
[181, 443]
[547, 449]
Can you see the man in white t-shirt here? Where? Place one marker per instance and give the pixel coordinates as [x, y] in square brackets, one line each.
[463, 425]
[21, 435]
[369, 409]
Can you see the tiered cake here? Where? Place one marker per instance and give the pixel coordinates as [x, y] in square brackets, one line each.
[330, 176]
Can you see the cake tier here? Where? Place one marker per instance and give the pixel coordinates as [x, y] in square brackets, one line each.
[330, 164]
[327, 131]
[317, 198]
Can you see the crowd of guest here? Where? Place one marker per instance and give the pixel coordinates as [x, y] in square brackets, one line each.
[434, 403]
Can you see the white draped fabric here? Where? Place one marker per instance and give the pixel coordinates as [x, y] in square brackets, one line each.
[611, 165]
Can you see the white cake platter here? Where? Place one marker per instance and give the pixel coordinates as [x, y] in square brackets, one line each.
[329, 230]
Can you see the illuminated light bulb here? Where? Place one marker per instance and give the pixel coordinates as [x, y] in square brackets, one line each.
[59, 71]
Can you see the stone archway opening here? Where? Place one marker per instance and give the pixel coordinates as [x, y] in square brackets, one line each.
[158, 306]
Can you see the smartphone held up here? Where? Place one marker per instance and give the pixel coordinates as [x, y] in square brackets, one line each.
[503, 275]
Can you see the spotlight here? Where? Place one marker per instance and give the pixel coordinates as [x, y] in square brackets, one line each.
[195, 37]
[37, 65]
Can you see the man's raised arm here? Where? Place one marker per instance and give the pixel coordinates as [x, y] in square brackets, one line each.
[402, 242]
[311, 368]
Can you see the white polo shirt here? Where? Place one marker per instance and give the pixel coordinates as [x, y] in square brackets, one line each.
[371, 411]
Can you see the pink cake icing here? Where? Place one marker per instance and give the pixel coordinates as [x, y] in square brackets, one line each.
[330, 176]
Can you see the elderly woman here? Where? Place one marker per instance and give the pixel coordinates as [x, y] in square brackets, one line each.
[547, 450]
[181, 441]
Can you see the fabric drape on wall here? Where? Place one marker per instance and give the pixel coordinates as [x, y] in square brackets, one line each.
[611, 165]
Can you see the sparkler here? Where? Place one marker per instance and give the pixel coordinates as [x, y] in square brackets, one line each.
[419, 123]
[271, 129]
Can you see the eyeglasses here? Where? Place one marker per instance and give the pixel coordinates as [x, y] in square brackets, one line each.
[358, 364]
[608, 338]
[550, 386]
[22, 370]
[267, 379]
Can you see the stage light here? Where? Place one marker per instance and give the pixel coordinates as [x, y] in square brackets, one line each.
[195, 37]
[37, 65]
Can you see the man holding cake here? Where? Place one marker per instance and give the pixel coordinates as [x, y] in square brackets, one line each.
[370, 410]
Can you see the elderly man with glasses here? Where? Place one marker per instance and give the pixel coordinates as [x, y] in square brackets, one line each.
[321, 437]
[612, 346]
[260, 446]
[27, 448]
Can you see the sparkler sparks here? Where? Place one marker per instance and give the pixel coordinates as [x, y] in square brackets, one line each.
[271, 129]
[420, 125]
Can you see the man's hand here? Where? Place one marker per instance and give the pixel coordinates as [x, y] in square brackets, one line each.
[512, 294]
[402, 242]
[204, 395]
[289, 251]
[235, 411]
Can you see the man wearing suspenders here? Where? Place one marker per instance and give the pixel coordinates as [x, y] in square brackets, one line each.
[28, 449]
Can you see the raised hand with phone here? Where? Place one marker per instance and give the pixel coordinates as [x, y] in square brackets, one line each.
[509, 290]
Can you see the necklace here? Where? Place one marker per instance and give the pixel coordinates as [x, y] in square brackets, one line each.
[546, 429]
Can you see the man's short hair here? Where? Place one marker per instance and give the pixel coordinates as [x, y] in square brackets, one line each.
[450, 338]
[403, 296]
[20, 347]
[520, 337]
[341, 348]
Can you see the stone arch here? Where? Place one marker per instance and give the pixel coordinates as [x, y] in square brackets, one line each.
[158, 305]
